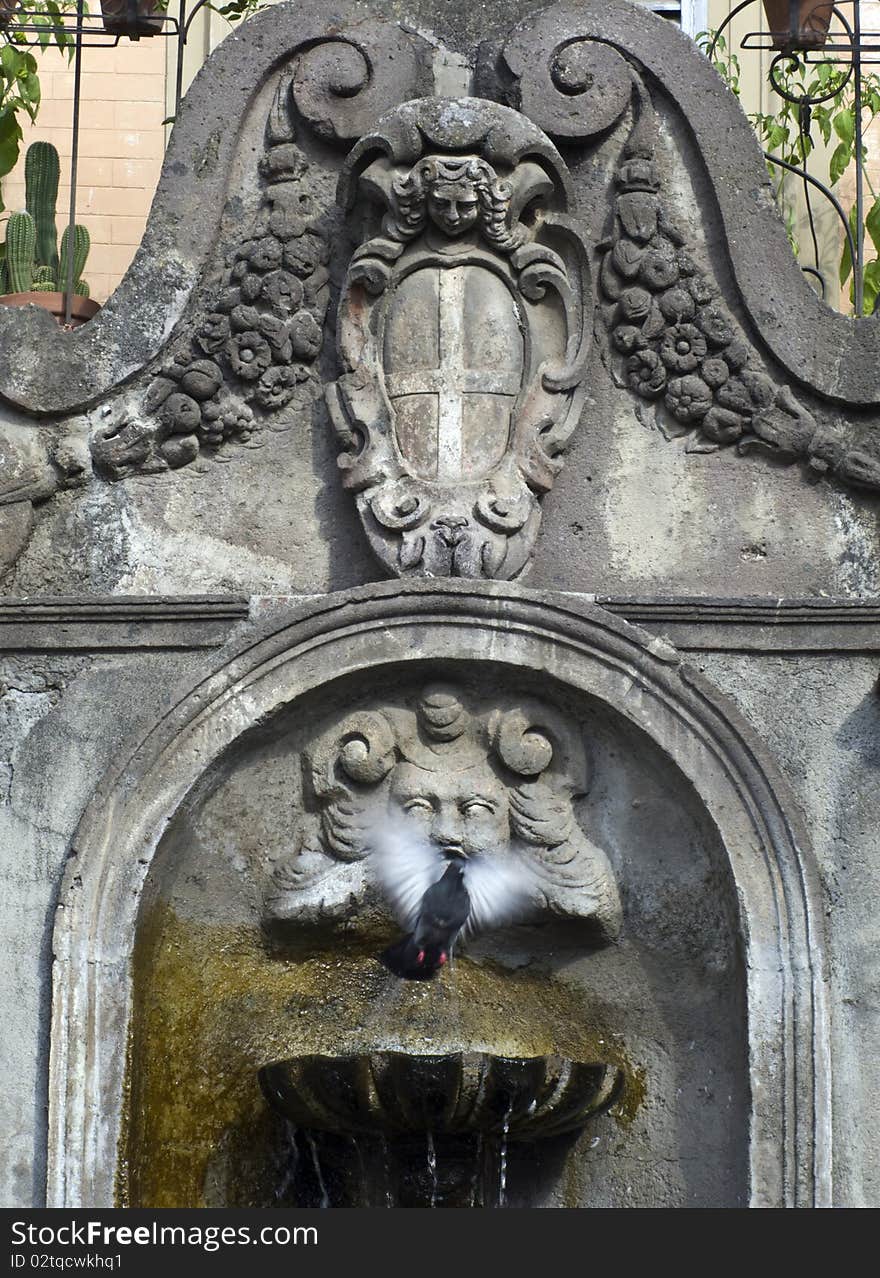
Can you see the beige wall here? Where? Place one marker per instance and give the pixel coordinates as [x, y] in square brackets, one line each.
[122, 142]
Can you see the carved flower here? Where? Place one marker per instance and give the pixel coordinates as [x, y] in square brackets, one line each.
[682, 348]
[736, 355]
[702, 289]
[659, 268]
[688, 398]
[228, 299]
[627, 338]
[735, 396]
[277, 385]
[224, 417]
[635, 304]
[646, 374]
[250, 287]
[677, 305]
[716, 324]
[249, 355]
[282, 290]
[182, 413]
[265, 254]
[180, 450]
[202, 379]
[714, 371]
[722, 426]
[761, 388]
[159, 390]
[277, 333]
[304, 255]
[306, 335]
[237, 419]
[686, 264]
[244, 319]
[627, 257]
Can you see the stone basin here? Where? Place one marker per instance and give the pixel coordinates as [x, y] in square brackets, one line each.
[397, 1093]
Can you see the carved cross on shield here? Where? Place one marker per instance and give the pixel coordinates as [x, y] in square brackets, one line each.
[463, 332]
[453, 369]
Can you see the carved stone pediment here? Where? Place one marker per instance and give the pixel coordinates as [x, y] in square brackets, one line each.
[463, 332]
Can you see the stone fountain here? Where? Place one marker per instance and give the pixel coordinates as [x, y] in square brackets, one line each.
[435, 410]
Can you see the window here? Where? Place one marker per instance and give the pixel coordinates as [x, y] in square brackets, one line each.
[690, 15]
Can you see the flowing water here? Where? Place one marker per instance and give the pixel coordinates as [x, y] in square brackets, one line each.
[325, 1197]
[432, 1169]
[502, 1160]
[291, 1166]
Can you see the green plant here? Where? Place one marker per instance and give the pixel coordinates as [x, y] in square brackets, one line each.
[788, 132]
[21, 238]
[33, 263]
[19, 78]
[19, 95]
[41, 173]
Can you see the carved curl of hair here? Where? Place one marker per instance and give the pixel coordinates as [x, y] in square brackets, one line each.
[493, 195]
[361, 749]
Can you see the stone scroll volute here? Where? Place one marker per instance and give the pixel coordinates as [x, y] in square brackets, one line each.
[463, 333]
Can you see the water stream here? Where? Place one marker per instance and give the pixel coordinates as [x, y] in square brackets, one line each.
[432, 1169]
[325, 1197]
[502, 1160]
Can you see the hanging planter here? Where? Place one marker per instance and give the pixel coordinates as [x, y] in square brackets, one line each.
[7, 11]
[133, 18]
[809, 29]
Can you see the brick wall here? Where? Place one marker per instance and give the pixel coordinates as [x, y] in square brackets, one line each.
[122, 142]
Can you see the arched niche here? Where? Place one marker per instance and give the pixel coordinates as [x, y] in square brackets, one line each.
[657, 731]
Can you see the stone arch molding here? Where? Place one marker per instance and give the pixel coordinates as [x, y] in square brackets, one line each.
[580, 645]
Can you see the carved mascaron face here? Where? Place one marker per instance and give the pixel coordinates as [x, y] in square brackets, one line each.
[453, 206]
[462, 813]
[489, 778]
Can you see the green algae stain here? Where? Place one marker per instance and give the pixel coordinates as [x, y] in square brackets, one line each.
[631, 1098]
[212, 1005]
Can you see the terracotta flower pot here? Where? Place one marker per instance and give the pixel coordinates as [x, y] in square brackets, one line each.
[813, 19]
[82, 309]
[149, 19]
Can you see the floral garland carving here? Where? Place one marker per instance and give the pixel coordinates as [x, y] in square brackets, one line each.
[256, 347]
[675, 345]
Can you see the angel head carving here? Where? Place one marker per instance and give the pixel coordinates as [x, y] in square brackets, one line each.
[455, 193]
[471, 782]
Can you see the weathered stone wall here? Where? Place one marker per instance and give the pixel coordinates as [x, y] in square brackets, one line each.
[698, 498]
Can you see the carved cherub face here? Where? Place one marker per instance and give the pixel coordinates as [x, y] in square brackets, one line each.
[453, 205]
[462, 813]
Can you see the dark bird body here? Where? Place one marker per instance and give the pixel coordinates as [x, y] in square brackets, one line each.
[443, 913]
[439, 892]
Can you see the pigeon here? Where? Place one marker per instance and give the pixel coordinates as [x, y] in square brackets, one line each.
[437, 897]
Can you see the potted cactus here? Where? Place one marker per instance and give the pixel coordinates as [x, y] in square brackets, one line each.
[33, 270]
